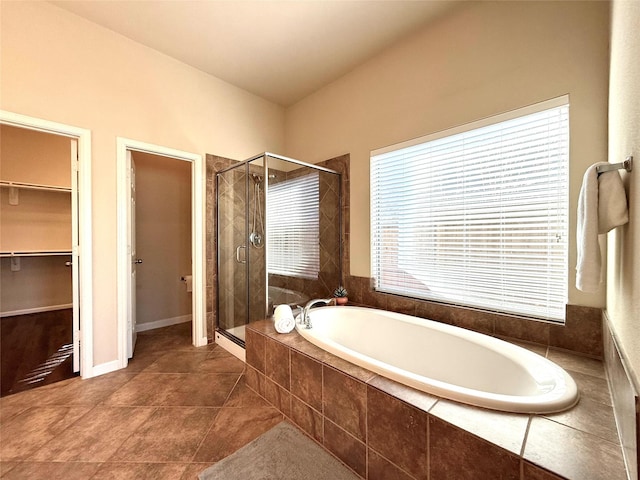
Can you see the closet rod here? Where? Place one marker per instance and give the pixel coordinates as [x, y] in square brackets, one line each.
[627, 165]
[34, 186]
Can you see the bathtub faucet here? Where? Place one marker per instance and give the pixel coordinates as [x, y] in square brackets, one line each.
[305, 319]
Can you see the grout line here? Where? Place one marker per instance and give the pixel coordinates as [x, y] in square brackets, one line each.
[526, 436]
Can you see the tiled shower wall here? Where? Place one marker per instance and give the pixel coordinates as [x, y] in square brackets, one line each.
[330, 241]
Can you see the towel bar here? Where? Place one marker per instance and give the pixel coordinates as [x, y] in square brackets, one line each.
[627, 165]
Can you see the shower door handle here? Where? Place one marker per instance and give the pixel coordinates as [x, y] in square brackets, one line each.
[238, 259]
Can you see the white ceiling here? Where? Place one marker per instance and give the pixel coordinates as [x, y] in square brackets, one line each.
[279, 50]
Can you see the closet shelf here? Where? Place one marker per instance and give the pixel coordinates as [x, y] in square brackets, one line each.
[34, 186]
[34, 253]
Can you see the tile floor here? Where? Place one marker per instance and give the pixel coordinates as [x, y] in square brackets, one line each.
[171, 413]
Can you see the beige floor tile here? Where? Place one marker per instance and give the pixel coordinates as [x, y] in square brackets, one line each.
[233, 429]
[140, 471]
[52, 471]
[96, 436]
[171, 434]
[28, 431]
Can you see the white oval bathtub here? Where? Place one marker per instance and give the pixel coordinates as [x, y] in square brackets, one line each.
[443, 360]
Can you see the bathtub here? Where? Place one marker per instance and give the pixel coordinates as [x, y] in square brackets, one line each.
[443, 360]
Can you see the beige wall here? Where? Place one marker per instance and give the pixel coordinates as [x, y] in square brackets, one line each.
[60, 67]
[483, 59]
[623, 276]
[163, 237]
[28, 156]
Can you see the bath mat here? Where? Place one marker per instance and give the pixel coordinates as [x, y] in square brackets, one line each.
[282, 453]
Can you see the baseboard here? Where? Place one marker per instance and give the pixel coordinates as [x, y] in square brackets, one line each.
[625, 399]
[27, 311]
[164, 322]
[231, 347]
[103, 368]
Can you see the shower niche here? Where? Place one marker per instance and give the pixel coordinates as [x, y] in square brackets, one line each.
[278, 238]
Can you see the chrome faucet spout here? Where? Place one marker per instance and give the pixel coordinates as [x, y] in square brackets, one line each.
[306, 320]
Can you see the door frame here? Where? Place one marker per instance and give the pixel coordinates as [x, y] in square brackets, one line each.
[198, 252]
[84, 250]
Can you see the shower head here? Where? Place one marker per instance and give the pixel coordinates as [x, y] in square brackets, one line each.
[257, 178]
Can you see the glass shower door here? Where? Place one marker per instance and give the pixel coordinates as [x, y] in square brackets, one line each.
[233, 256]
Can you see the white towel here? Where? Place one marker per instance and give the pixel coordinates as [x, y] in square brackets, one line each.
[283, 319]
[612, 202]
[599, 207]
[285, 325]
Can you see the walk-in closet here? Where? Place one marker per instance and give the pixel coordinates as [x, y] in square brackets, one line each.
[36, 238]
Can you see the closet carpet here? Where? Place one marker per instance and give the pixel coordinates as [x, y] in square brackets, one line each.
[174, 411]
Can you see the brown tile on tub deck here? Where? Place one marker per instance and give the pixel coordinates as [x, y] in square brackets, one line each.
[255, 350]
[506, 430]
[591, 417]
[581, 332]
[522, 329]
[306, 379]
[277, 396]
[345, 401]
[482, 322]
[398, 432]
[409, 395]
[399, 304]
[347, 448]
[531, 472]
[277, 363]
[577, 362]
[454, 453]
[593, 388]
[379, 468]
[307, 419]
[571, 453]
[254, 380]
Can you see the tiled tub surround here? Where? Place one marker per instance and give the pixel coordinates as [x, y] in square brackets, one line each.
[581, 332]
[385, 431]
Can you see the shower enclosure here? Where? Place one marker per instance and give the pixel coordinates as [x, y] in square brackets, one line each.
[279, 232]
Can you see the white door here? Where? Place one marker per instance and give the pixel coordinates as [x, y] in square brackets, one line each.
[132, 336]
[75, 257]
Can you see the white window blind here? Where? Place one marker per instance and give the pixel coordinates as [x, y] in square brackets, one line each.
[477, 216]
[293, 227]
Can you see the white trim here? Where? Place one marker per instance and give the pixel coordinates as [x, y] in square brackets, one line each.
[231, 347]
[85, 251]
[501, 117]
[163, 322]
[106, 367]
[123, 199]
[28, 311]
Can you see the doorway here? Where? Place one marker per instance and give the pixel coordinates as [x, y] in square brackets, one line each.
[130, 264]
[46, 203]
[162, 283]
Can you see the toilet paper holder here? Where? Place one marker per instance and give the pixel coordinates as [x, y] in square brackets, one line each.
[188, 280]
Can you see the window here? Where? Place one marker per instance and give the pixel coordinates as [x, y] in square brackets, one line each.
[478, 215]
[293, 221]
